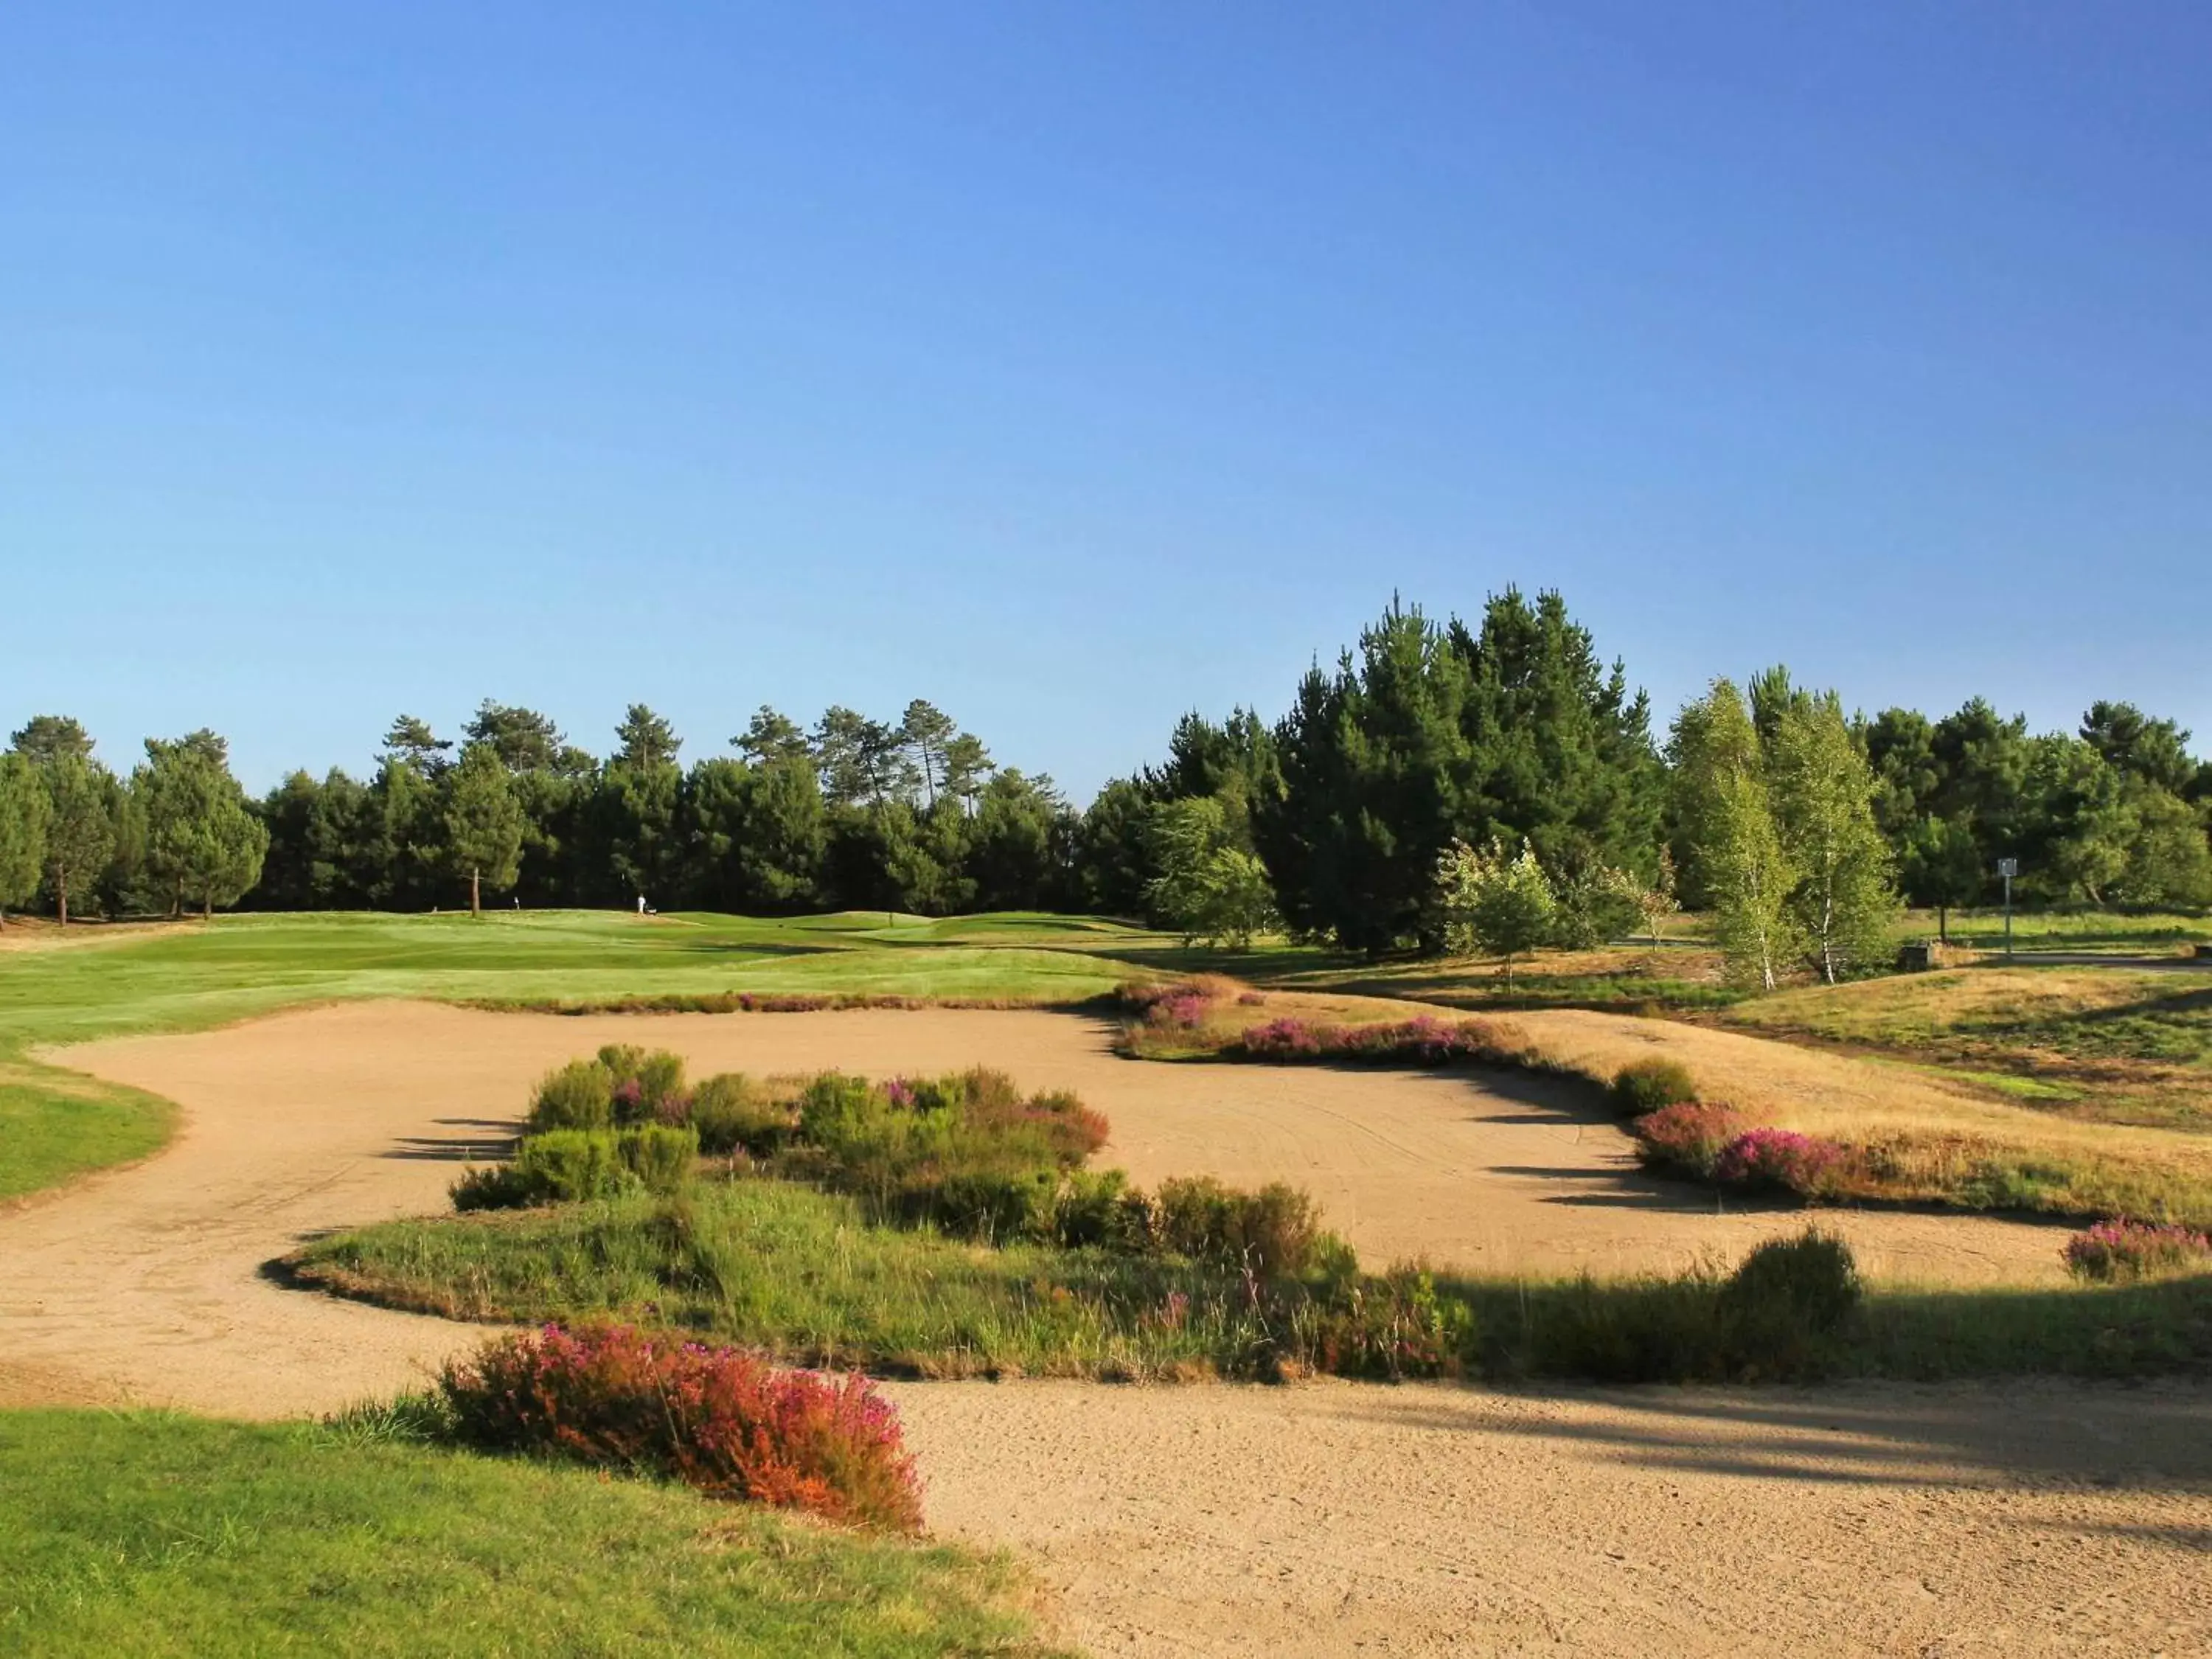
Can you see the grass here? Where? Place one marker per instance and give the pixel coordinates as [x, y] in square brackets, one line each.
[2103, 1044]
[804, 1276]
[155, 1534]
[1539, 1327]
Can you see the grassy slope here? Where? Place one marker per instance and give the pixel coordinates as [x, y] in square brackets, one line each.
[152, 1534]
[54, 1124]
[2113, 1044]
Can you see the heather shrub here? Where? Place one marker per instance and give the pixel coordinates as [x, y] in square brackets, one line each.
[1287, 1038]
[1424, 1040]
[1393, 1326]
[2120, 1249]
[659, 1155]
[732, 1114]
[1102, 1211]
[1272, 1233]
[1810, 1279]
[1781, 1160]
[570, 1165]
[579, 1096]
[494, 1186]
[1645, 1085]
[717, 1419]
[1687, 1138]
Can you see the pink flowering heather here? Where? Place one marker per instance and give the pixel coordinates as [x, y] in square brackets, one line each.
[1282, 1039]
[720, 1419]
[2120, 1249]
[900, 1093]
[1799, 1163]
[1689, 1137]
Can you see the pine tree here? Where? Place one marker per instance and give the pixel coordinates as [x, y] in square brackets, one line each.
[24, 811]
[483, 823]
[202, 843]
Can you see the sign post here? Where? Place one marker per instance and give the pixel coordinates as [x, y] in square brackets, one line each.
[2007, 868]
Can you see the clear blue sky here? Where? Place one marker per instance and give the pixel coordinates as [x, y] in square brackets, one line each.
[1074, 366]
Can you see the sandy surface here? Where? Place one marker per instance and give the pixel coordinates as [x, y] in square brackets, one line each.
[1324, 1519]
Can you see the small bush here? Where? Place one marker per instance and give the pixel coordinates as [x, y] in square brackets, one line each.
[1781, 1308]
[732, 1114]
[1780, 1160]
[496, 1186]
[1272, 1233]
[659, 1155]
[1102, 1211]
[570, 1165]
[580, 1096]
[1394, 1327]
[1688, 1137]
[719, 1419]
[2121, 1249]
[1645, 1085]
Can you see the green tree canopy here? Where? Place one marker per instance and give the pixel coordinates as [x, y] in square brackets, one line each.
[1493, 901]
[24, 813]
[483, 823]
[204, 843]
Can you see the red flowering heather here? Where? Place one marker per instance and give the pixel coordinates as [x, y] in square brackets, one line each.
[1800, 1164]
[717, 1419]
[2119, 1249]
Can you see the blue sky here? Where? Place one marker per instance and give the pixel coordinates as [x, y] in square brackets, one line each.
[1074, 366]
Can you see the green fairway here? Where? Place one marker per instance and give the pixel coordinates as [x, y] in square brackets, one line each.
[54, 1125]
[152, 1534]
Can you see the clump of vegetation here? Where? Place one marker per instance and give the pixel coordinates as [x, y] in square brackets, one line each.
[716, 1419]
[1783, 1160]
[1424, 1040]
[2122, 1250]
[1687, 1139]
[566, 1166]
[1782, 1315]
[1645, 1085]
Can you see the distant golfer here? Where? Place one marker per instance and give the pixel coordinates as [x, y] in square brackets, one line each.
[641, 904]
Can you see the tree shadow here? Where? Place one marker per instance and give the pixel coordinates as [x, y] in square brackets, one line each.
[474, 1149]
[2148, 1438]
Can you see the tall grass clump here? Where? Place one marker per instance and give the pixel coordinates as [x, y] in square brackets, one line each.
[2120, 1250]
[716, 1419]
[1784, 1313]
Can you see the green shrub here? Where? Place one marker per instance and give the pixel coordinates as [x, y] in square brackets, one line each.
[659, 1155]
[496, 1186]
[1784, 1305]
[567, 1165]
[732, 1114]
[1394, 1327]
[1102, 1211]
[580, 1096]
[1645, 1085]
[1273, 1232]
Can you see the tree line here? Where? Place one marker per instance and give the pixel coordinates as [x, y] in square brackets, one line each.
[1440, 786]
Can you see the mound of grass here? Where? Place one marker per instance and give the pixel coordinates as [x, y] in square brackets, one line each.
[163, 1536]
[55, 1125]
[805, 1277]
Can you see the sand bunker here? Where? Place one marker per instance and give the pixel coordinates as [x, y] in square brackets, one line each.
[2021, 1519]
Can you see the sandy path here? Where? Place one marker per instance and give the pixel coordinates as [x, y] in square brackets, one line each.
[1316, 1520]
